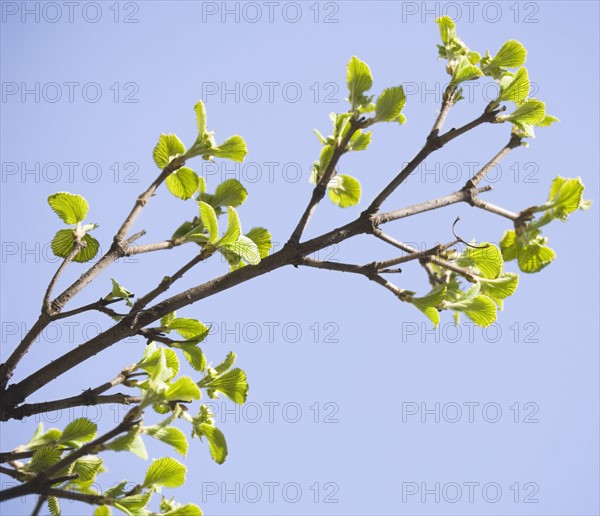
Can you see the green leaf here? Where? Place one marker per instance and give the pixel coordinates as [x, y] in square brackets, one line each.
[359, 80]
[530, 112]
[184, 389]
[229, 193]
[87, 467]
[165, 472]
[534, 257]
[182, 183]
[200, 117]
[170, 435]
[43, 458]
[209, 220]
[511, 55]
[168, 319]
[151, 362]
[465, 71]
[234, 228]
[245, 248]
[321, 138]
[565, 196]
[482, 311]
[501, 287]
[447, 29]
[517, 89]
[188, 328]
[136, 502]
[233, 384]
[89, 251]
[168, 147]
[131, 442]
[344, 190]
[360, 141]
[80, 430]
[195, 357]
[54, 507]
[486, 257]
[233, 148]
[226, 364]
[262, 238]
[64, 241]
[428, 304]
[69, 207]
[547, 121]
[324, 160]
[389, 104]
[119, 292]
[188, 509]
[216, 441]
[41, 439]
[508, 245]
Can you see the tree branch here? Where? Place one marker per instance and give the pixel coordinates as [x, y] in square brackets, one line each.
[46, 305]
[321, 187]
[433, 143]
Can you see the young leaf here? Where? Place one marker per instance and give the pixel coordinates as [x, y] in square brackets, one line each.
[344, 190]
[233, 148]
[43, 458]
[245, 248]
[226, 364]
[517, 89]
[485, 257]
[200, 117]
[530, 112]
[89, 251]
[131, 441]
[182, 183]
[501, 287]
[152, 361]
[511, 55]
[216, 441]
[54, 507]
[547, 121]
[360, 141]
[229, 193]
[80, 430]
[233, 384]
[262, 238]
[465, 71]
[188, 509]
[389, 104]
[168, 319]
[170, 435]
[184, 389]
[188, 328]
[195, 357]
[209, 219]
[87, 467]
[69, 207]
[565, 196]
[234, 228]
[447, 29]
[428, 303]
[168, 147]
[359, 80]
[534, 257]
[118, 291]
[64, 241]
[165, 472]
[481, 310]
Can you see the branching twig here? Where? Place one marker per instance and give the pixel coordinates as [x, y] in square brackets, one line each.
[78, 246]
[321, 187]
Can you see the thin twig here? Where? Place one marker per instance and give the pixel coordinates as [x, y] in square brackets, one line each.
[321, 187]
[78, 246]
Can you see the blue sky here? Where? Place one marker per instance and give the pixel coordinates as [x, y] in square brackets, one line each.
[342, 375]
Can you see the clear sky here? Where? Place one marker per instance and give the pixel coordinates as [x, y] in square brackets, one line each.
[346, 382]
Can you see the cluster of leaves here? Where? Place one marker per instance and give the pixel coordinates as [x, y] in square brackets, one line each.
[72, 209]
[156, 376]
[342, 189]
[490, 285]
[525, 243]
[514, 86]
